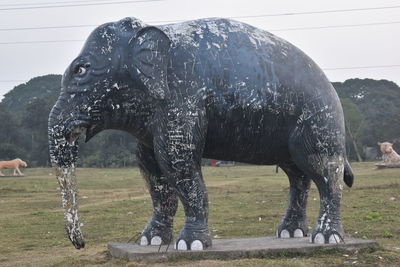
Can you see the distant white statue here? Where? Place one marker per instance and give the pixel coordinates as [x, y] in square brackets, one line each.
[13, 164]
[390, 158]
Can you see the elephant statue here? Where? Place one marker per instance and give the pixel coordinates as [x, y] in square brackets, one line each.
[212, 88]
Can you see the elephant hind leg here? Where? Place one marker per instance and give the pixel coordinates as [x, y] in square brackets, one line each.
[321, 157]
[294, 223]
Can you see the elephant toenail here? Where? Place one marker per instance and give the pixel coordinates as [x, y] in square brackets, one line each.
[156, 241]
[196, 245]
[298, 233]
[144, 241]
[319, 239]
[182, 245]
[285, 234]
[335, 239]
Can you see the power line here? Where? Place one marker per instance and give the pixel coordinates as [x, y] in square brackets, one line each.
[272, 30]
[74, 5]
[362, 67]
[41, 42]
[320, 12]
[48, 27]
[52, 3]
[248, 16]
[12, 81]
[284, 29]
[338, 26]
[232, 17]
[35, 5]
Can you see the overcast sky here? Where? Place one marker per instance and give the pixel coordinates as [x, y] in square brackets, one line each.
[373, 46]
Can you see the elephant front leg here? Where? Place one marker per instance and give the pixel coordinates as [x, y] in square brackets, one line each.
[179, 146]
[191, 190]
[294, 223]
[159, 228]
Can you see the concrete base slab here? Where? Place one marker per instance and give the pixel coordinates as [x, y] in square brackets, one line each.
[228, 249]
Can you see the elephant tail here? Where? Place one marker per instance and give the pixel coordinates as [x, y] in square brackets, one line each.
[348, 174]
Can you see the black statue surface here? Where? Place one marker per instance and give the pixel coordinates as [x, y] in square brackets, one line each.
[212, 88]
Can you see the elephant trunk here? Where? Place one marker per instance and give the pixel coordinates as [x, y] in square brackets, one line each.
[63, 156]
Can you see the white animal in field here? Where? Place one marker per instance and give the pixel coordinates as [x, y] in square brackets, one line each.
[390, 158]
[13, 164]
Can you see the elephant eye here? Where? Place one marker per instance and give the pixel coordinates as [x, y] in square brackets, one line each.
[81, 69]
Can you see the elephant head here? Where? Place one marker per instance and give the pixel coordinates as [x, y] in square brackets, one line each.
[113, 84]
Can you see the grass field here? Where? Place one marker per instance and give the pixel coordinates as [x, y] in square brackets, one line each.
[245, 201]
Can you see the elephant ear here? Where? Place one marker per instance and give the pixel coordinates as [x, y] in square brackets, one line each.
[150, 50]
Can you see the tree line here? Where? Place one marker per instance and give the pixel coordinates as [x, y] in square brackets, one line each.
[372, 114]
[371, 107]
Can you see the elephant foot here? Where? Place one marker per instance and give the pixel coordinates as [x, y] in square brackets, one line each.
[327, 238]
[156, 234]
[292, 229]
[327, 232]
[190, 239]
